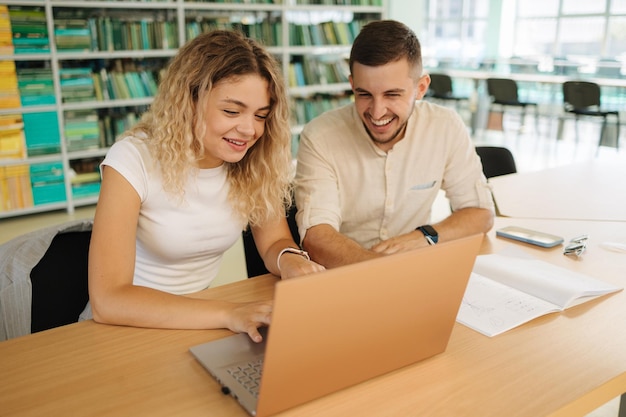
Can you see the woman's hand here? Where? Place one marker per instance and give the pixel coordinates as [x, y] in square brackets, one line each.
[248, 317]
[294, 265]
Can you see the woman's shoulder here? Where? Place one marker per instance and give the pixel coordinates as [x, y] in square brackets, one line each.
[130, 145]
[130, 140]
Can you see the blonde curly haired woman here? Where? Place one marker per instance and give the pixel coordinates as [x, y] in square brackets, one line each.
[210, 156]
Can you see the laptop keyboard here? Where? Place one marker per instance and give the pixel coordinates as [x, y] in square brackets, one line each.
[248, 375]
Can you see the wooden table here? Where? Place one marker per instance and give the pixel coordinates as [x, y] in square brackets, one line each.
[562, 364]
[592, 190]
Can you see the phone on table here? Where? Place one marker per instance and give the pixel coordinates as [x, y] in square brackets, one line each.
[533, 237]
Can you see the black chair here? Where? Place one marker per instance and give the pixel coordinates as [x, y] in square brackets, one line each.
[44, 278]
[496, 161]
[503, 92]
[582, 99]
[440, 88]
[254, 263]
[59, 282]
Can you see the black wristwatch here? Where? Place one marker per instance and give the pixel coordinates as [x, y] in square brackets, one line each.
[430, 233]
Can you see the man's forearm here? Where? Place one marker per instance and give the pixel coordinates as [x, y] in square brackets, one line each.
[330, 248]
[465, 222]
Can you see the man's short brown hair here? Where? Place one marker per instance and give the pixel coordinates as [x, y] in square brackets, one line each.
[383, 41]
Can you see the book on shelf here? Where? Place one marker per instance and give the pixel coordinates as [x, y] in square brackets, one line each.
[114, 123]
[343, 34]
[6, 37]
[85, 177]
[73, 39]
[318, 69]
[135, 85]
[47, 183]
[75, 32]
[325, 33]
[29, 29]
[296, 74]
[12, 142]
[82, 130]
[306, 109]
[41, 131]
[15, 188]
[149, 82]
[36, 86]
[76, 84]
[328, 29]
[506, 291]
[99, 90]
[9, 92]
[120, 86]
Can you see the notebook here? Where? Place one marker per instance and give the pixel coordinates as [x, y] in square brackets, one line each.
[342, 326]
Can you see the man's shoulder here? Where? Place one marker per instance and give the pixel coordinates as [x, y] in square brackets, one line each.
[432, 114]
[433, 109]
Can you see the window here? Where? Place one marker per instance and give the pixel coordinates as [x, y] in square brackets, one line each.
[581, 35]
[455, 31]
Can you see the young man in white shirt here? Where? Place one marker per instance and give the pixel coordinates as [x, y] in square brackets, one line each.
[368, 173]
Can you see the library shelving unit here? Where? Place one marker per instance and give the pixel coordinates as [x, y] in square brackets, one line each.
[74, 74]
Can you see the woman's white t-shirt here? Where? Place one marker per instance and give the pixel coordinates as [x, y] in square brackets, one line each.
[180, 243]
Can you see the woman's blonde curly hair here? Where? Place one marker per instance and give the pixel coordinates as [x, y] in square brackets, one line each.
[260, 184]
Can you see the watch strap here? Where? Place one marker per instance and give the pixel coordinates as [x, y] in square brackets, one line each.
[431, 235]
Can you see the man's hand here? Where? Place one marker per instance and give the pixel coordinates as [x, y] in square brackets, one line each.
[402, 243]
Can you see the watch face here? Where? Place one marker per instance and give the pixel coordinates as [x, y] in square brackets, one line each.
[429, 230]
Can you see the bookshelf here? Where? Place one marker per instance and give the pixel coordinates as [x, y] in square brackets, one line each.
[74, 74]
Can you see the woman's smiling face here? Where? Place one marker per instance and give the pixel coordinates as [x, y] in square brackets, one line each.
[235, 113]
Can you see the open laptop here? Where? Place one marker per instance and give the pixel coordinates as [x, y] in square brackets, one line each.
[342, 326]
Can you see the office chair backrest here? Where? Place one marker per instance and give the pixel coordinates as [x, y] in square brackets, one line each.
[254, 263]
[502, 89]
[578, 95]
[440, 85]
[59, 282]
[43, 278]
[496, 161]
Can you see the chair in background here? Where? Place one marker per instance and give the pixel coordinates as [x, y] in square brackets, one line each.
[582, 99]
[440, 88]
[59, 282]
[43, 279]
[504, 93]
[254, 263]
[496, 161]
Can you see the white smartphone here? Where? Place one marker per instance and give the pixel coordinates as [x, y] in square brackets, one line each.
[533, 237]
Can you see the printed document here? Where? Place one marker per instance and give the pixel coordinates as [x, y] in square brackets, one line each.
[505, 291]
